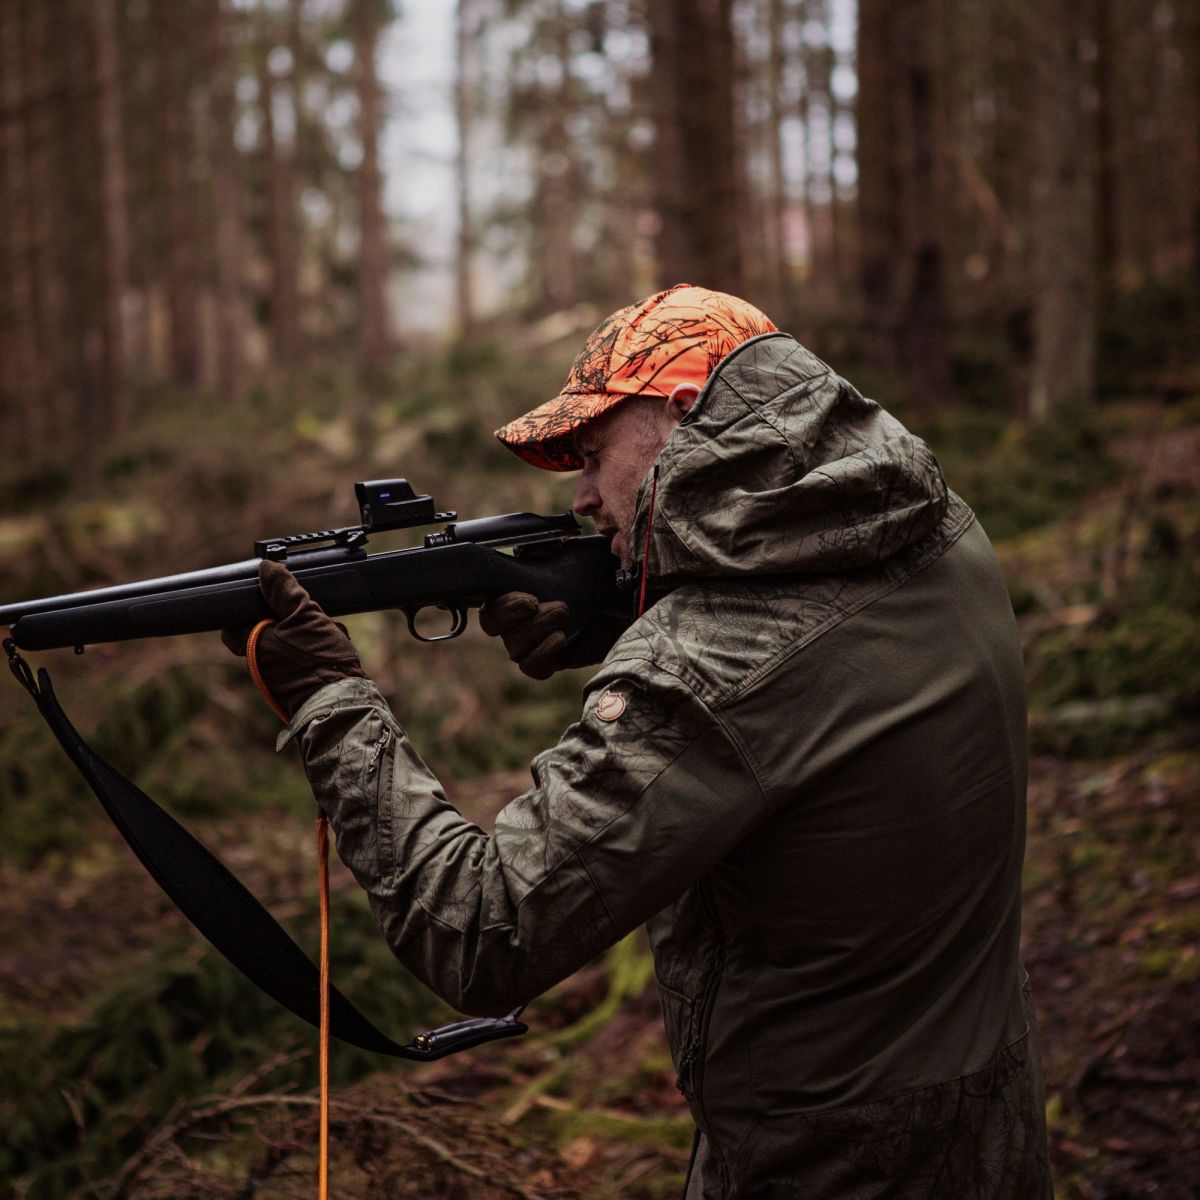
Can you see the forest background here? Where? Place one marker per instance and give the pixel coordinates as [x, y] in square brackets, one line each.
[215, 316]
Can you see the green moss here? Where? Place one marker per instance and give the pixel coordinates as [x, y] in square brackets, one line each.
[1146, 333]
[1185, 925]
[28, 487]
[630, 970]
[1087, 856]
[1099, 686]
[631, 1086]
[571, 1123]
[1158, 964]
[80, 1096]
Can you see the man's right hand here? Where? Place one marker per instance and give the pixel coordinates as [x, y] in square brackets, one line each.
[534, 634]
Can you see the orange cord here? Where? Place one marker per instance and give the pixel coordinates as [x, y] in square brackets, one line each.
[323, 1141]
[646, 552]
[255, 673]
[323, 890]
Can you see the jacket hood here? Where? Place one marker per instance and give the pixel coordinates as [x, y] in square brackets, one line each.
[782, 468]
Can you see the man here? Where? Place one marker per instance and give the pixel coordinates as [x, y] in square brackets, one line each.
[803, 765]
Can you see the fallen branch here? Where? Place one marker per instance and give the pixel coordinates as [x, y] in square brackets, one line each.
[1148, 1077]
[1092, 1067]
[444, 1153]
[284, 1058]
[1146, 1114]
[348, 1115]
[170, 1133]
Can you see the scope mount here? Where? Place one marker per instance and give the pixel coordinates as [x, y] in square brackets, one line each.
[382, 504]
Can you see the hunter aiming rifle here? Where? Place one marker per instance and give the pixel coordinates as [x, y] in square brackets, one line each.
[458, 568]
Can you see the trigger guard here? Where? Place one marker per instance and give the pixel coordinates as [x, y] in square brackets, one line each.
[458, 624]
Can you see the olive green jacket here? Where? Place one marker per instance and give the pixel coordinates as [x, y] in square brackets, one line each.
[804, 767]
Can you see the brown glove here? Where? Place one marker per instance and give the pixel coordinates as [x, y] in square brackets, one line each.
[304, 650]
[534, 634]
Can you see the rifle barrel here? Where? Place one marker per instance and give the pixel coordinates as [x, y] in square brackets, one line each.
[236, 572]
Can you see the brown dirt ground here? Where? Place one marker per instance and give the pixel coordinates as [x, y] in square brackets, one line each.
[1112, 918]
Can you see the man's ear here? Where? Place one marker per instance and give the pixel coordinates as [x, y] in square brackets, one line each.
[682, 397]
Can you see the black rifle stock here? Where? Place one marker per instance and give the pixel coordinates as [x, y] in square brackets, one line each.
[457, 569]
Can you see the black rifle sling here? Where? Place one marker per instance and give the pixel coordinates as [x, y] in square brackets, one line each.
[225, 912]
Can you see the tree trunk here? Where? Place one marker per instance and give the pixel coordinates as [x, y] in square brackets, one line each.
[808, 161]
[46, 215]
[880, 232]
[696, 163]
[232, 315]
[114, 223]
[925, 321]
[464, 298]
[828, 61]
[303, 149]
[171, 28]
[1107, 194]
[375, 345]
[19, 390]
[283, 299]
[1193, 44]
[752, 219]
[83, 335]
[1006, 163]
[779, 268]
[1063, 224]
[558, 196]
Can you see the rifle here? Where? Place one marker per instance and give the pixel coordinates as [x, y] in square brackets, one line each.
[455, 569]
[458, 568]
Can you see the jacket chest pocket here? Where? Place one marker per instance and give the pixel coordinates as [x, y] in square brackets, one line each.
[687, 961]
[681, 1018]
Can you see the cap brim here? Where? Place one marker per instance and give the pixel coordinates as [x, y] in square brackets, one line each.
[545, 437]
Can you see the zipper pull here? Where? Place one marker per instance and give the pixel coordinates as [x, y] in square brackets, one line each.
[380, 746]
[683, 1080]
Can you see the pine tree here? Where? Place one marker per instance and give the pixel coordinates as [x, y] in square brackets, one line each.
[696, 173]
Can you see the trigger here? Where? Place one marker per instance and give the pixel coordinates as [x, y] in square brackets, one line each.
[458, 622]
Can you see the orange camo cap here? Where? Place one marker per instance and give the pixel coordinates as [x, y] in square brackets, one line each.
[648, 349]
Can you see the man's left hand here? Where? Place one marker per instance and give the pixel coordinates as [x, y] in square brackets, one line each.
[304, 650]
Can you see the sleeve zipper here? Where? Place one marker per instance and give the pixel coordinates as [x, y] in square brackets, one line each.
[377, 753]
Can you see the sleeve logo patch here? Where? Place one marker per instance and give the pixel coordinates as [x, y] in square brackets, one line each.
[610, 705]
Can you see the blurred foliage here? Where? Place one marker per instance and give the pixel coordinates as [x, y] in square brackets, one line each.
[1015, 476]
[1146, 339]
[1132, 670]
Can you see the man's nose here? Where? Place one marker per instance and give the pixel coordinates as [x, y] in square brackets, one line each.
[587, 498]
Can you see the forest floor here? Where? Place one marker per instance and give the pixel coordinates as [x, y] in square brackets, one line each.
[586, 1105]
[137, 1066]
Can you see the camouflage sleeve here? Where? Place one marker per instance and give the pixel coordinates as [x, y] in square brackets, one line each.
[639, 799]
